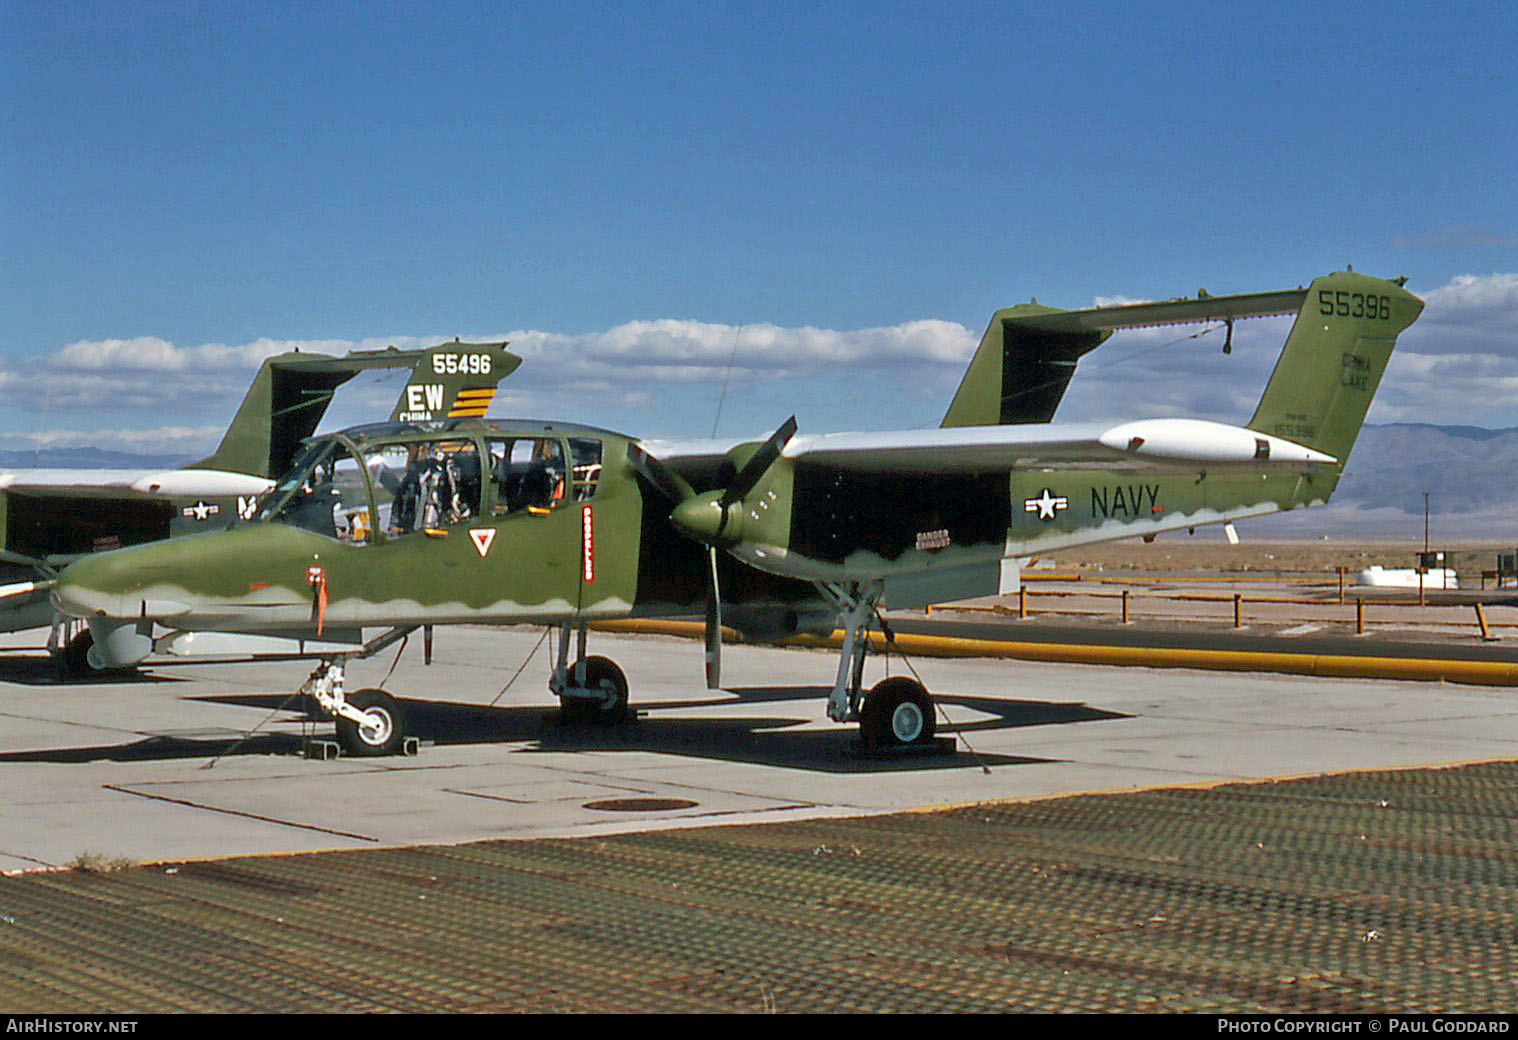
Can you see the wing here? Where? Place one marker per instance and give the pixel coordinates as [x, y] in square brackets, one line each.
[126, 483]
[1147, 445]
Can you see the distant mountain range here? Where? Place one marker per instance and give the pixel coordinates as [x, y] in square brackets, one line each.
[1464, 469]
[89, 458]
[1468, 472]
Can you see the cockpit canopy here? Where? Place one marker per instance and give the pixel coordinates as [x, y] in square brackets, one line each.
[364, 486]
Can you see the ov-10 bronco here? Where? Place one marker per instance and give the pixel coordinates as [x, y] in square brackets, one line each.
[50, 517]
[397, 526]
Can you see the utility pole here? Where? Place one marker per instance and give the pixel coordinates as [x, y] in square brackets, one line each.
[1425, 561]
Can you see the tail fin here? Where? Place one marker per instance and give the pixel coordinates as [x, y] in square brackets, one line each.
[454, 381]
[1333, 360]
[1020, 371]
[291, 392]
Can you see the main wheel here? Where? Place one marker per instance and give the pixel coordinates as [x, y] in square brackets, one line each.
[75, 660]
[601, 673]
[897, 712]
[76, 655]
[383, 728]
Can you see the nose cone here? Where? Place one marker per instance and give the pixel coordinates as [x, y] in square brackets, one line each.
[128, 584]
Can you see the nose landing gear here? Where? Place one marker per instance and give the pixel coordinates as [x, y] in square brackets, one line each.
[380, 728]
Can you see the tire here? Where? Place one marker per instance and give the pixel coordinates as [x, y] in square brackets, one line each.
[74, 662]
[897, 713]
[75, 659]
[384, 732]
[600, 672]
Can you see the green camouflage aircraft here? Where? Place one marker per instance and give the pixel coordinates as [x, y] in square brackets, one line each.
[50, 517]
[399, 526]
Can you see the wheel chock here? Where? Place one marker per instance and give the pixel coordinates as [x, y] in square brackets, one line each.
[327, 750]
[322, 750]
[936, 746]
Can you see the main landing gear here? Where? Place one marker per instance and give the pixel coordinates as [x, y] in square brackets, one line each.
[71, 645]
[896, 714]
[593, 689]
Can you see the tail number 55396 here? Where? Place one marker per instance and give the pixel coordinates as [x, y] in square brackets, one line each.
[1353, 305]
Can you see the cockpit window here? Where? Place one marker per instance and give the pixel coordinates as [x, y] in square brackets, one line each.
[324, 492]
[526, 472]
[425, 486]
[585, 457]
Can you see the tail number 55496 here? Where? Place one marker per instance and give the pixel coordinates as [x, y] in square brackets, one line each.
[461, 364]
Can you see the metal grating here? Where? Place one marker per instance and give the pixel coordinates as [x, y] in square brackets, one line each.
[1374, 892]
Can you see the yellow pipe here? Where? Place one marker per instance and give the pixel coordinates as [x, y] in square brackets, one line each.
[1339, 666]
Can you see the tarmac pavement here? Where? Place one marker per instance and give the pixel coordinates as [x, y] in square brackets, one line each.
[195, 759]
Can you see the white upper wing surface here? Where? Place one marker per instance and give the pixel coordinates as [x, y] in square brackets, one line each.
[105, 482]
[1150, 445]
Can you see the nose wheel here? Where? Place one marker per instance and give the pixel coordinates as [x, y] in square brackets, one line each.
[376, 726]
[368, 722]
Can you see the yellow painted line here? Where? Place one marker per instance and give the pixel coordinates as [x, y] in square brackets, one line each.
[1337, 666]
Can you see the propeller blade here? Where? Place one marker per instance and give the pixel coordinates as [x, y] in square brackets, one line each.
[710, 517]
[26, 588]
[758, 463]
[713, 623]
[670, 484]
[43, 566]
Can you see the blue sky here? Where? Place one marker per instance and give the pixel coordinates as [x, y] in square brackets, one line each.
[177, 178]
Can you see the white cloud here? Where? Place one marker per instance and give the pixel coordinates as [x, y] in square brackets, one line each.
[151, 354]
[1471, 314]
[1458, 364]
[685, 351]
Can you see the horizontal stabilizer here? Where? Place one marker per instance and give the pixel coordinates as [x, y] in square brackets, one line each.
[1166, 312]
[357, 361]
